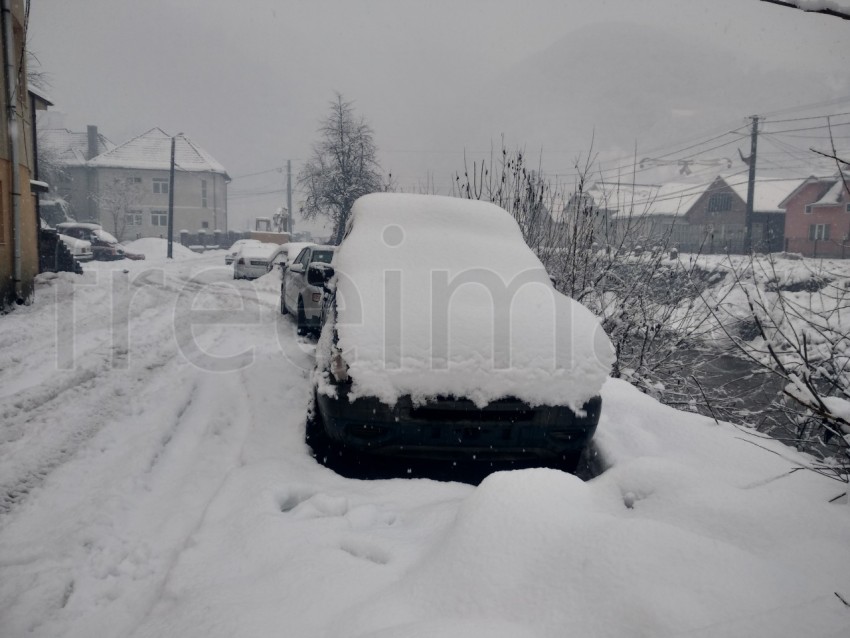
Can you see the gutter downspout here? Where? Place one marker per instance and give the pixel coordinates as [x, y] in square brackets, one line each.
[12, 119]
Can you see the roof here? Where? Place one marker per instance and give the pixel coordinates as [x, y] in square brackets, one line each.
[70, 147]
[834, 195]
[671, 199]
[769, 194]
[152, 151]
[39, 94]
[830, 189]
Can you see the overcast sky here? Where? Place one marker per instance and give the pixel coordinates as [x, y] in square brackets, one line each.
[249, 81]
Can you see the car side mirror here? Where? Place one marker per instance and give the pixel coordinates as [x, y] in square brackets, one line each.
[297, 268]
[319, 275]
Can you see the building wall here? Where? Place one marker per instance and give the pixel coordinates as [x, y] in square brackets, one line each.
[798, 223]
[29, 224]
[192, 211]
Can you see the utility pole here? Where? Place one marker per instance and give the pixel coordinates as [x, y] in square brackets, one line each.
[289, 195]
[751, 187]
[171, 200]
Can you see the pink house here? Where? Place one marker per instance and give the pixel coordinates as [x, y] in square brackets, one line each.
[817, 217]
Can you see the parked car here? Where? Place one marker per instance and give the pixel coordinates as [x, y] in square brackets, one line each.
[252, 260]
[104, 246]
[284, 255]
[80, 249]
[234, 249]
[301, 288]
[444, 339]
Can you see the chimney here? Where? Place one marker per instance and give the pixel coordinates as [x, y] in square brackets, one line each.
[92, 139]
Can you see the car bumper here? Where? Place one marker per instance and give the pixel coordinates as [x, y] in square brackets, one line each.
[452, 429]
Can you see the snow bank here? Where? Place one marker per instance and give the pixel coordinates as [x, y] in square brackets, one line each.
[441, 296]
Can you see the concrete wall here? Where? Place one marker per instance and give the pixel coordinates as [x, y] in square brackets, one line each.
[28, 230]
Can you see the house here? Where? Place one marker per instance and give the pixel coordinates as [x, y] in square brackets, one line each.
[18, 221]
[125, 188]
[707, 217]
[817, 217]
[63, 162]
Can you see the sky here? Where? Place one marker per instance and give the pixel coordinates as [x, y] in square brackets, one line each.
[251, 81]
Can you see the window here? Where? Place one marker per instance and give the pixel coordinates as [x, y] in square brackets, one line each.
[719, 203]
[205, 224]
[160, 185]
[159, 217]
[809, 209]
[133, 218]
[848, 208]
[818, 231]
[134, 180]
[203, 193]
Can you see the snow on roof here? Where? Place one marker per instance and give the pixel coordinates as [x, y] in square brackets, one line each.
[70, 147]
[670, 199]
[834, 195]
[40, 94]
[768, 195]
[441, 296]
[152, 150]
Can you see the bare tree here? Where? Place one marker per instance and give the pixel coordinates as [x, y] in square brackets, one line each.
[119, 199]
[647, 301]
[343, 167]
[799, 335]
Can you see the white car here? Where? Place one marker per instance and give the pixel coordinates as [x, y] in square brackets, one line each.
[252, 260]
[284, 255]
[234, 249]
[302, 286]
[80, 249]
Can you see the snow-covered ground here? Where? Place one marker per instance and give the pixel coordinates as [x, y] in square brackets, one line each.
[154, 481]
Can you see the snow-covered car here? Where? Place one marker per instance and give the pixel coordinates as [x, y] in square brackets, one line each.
[104, 245]
[302, 286]
[252, 260]
[234, 249]
[445, 339]
[284, 255]
[80, 249]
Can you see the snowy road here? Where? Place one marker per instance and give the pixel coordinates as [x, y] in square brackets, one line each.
[154, 481]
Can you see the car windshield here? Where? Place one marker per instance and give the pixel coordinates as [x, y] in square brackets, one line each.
[322, 256]
[102, 235]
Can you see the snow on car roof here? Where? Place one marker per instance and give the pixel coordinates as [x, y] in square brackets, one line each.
[86, 225]
[262, 249]
[441, 296]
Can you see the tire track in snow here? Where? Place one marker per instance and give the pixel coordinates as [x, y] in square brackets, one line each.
[35, 440]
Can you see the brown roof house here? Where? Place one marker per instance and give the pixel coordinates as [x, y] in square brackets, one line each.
[707, 217]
